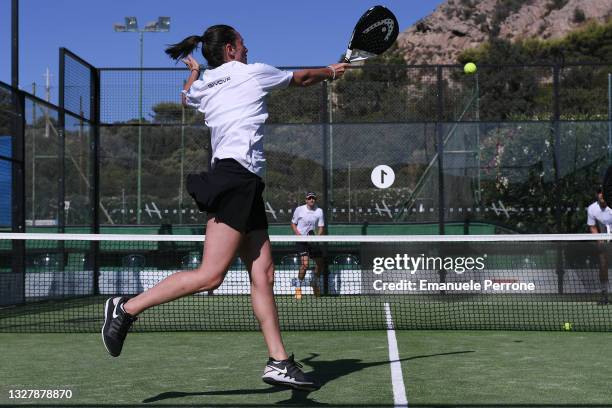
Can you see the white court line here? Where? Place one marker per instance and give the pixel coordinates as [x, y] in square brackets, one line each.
[397, 379]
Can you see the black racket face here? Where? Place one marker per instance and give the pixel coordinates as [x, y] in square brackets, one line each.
[375, 31]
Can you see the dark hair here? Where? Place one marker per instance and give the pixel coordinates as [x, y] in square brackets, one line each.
[599, 190]
[213, 41]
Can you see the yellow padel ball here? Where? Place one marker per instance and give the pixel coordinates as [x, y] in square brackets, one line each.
[469, 68]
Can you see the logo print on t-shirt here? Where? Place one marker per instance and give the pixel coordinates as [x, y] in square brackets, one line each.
[218, 82]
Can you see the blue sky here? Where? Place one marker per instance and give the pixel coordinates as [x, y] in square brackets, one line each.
[280, 33]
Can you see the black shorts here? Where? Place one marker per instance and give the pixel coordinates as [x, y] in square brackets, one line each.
[231, 194]
[306, 249]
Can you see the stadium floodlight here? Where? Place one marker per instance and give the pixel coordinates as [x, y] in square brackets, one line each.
[131, 25]
[152, 26]
[163, 24]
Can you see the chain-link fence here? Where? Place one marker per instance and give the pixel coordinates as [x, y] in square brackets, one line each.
[518, 146]
[464, 148]
[384, 94]
[74, 141]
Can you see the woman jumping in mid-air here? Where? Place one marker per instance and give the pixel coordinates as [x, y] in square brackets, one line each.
[230, 94]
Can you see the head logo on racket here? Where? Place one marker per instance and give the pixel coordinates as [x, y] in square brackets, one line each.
[374, 33]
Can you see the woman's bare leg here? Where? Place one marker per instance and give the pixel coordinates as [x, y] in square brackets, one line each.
[220, 249]
[256, 253]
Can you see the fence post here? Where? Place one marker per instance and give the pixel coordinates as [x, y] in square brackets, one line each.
[325, 119]
[326, 174]
[609, 118]
[557, 146]
[61, 134]
[559, 264]
[95, 174]
[15, 44]
[18, 193]
[440, 148]
[61, 123]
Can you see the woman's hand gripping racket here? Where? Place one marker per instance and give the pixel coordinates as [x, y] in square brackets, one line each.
[374, 33]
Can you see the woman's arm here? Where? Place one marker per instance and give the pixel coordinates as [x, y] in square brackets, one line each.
[312, 76]
[194, 73]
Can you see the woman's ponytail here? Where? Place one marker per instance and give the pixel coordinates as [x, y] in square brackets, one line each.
[213, 42]
[184, 48]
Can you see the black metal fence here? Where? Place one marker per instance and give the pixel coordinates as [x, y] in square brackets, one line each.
[518, 146]
[385, 94]
[12, 170]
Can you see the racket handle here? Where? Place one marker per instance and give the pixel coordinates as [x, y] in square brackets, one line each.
[347, 56]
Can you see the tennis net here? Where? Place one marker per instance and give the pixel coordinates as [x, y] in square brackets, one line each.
[496, 282]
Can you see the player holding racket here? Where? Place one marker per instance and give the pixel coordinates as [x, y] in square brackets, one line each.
[306, 218]
[599, 220]
[231, 95]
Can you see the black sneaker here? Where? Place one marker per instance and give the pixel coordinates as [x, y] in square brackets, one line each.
[603, 301]
[288, 373]
[117, 322]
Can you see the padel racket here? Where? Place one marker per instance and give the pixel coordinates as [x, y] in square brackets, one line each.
[374, 33]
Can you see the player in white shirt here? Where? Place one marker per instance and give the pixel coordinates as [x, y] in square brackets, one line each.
[231, 95]
[306, 219]
[599, 220]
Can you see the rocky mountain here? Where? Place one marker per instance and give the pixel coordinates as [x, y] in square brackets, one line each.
[457, 25]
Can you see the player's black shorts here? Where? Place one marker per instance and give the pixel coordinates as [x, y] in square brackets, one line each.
[310, 250]
[231, 194]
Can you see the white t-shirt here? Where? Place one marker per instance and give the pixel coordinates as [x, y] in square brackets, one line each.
[306, 219]
[599, 217]
[231, 97]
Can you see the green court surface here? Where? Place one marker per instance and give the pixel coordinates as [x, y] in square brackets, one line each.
[439, 368]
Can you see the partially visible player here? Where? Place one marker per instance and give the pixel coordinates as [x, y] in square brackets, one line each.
[307, 218]
[599, 220]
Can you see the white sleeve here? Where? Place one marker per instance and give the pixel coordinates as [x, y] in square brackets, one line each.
[321, 219]
[269, 77]
[590, 219]
[193, 97]
[294, 219]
